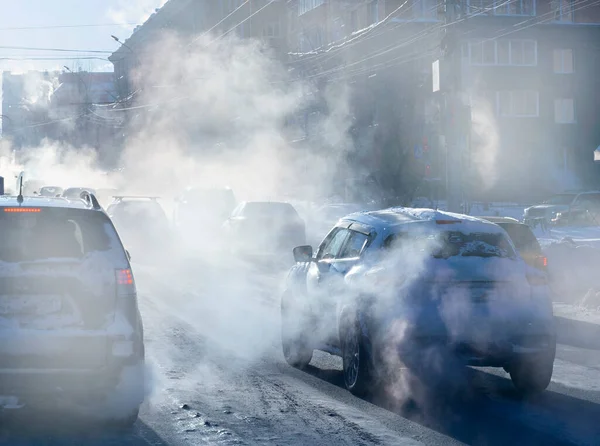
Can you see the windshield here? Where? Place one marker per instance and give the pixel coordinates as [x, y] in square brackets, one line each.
[560, 199]
[448, 244]
[53, 233]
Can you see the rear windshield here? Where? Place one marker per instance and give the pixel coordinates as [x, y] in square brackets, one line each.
[448, 244]
[522, 237]
[54, 233]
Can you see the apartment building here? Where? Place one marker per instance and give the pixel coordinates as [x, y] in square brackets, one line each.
[529, 69]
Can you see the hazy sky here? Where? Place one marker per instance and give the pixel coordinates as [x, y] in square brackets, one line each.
[45, 13]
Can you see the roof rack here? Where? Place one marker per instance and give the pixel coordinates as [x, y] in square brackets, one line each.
[120, 197]
[90, 199]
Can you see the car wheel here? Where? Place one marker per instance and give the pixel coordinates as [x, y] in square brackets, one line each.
[358, 376]
[532, 375]
[126, 421]
[296, 349]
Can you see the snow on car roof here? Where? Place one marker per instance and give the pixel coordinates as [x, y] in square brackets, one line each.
[398, 216]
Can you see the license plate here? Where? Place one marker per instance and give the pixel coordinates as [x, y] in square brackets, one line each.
[39, 305]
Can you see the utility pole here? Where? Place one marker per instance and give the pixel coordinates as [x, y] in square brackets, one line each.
[456, 127]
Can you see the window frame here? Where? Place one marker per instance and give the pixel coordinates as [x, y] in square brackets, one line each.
[512, 43]
[495, 4]
[517, 115]
[561, 52]
[558, 101]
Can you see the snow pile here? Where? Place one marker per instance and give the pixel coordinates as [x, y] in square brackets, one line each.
[573, 271]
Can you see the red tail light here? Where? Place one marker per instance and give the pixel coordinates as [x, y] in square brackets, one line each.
[542, 261]
[125, 282]
[21, 210]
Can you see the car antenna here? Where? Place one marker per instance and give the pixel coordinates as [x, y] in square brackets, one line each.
[20, 187]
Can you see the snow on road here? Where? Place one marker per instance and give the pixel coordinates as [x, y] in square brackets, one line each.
[219, 378]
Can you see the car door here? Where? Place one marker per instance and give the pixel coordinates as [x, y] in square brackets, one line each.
[320, 274]
[328, 273]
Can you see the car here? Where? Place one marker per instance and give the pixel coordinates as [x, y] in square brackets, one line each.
[142, 223]
[524, 240]
[72, 330]
[205, 208]
[563, 202]
[51, 191]
[264, 229]
[390, 287]
[75, 192]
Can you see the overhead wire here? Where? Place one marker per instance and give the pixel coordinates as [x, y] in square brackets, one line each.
[61, 50]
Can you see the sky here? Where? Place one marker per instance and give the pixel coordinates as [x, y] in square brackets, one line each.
[120, 16]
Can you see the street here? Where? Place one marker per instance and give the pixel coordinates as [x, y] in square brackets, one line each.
[218, 377]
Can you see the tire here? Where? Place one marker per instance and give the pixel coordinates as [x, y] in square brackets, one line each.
[532, 375]
[296, 348]
[125, 422]
[357, 367]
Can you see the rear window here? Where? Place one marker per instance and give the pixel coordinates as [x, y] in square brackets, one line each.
[54, 233]
[522, 237]
[448, 244]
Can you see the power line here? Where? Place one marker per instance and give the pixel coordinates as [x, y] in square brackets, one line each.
[62, 50]
[218, 23]
[245, 20]
[20, 28]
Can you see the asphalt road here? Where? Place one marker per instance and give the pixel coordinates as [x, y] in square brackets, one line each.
[218, 377]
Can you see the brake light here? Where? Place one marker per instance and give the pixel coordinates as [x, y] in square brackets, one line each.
[447, 222]
[21, 210]
[544, 261]
[124, 277]
[125, 282]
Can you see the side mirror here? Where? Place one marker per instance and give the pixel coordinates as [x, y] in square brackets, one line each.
[128, 255]
[303, 254]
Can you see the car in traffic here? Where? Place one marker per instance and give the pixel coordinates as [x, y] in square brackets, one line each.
[203, 209]
[560, 203]
[388, 287]
[524, 239]
[71, 328]
[74, 193]
[50, 191]
[264, 229]
[143, 225]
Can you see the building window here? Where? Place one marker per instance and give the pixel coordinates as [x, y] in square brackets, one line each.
[519, 103]
[337, 29]
[426, 9]
[503, 52]
[502, 7]
[563, 10]
[306, 5]
[354, 20]
[272, 30]
[563, 60]
[564, 111]
[374, 11]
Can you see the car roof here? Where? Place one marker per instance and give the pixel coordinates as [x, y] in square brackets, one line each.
[495, 219]
[45, 202]
[397, 216]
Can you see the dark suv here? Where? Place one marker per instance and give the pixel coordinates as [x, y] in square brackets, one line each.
[71, 329]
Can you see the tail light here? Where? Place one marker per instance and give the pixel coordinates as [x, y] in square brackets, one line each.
[542, 262]
[125, 282]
